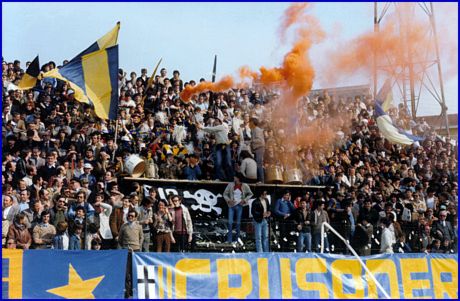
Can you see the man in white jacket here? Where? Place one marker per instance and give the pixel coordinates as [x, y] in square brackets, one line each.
[388, 238]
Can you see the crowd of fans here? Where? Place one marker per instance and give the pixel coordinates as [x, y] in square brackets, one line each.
[62, 166]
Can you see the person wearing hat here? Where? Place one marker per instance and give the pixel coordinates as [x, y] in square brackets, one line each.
[87, 176]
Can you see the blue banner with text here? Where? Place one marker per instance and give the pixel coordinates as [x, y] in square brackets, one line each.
[293, 275]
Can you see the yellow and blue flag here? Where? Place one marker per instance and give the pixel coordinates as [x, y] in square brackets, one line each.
[108, 40]
[57, 274]
[385, 96]
[29, 79]
[93, 75]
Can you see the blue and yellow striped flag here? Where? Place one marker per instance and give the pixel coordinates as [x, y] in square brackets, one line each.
[93, 75]
[96, 77]
[108, 40]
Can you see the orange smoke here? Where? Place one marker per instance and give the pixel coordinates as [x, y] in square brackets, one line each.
[224, 84]
[403, 39]
[292, 15]
[296, 72]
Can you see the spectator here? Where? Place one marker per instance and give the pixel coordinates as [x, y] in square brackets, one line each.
[261, 213]
[145, 219]
[442, 229]
[118, 217]
[258, 148]
[9, 211]
[192, 170]
[248, 167]
[24, 200]
[223, 163]
[302, 219]
[81, 202]
[18, 235]
[436, 247]
[131, 235]
[5, 228]
[61, 241]
[43, 233]
[237, 195]
[183, 226]
[388, 237]
[318, 217]
[362, 240]
[163, 223]
[103, 212]
[76, 239]
[283, 212]
[33, 215]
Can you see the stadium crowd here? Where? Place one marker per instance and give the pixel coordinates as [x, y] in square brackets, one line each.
[62, 167]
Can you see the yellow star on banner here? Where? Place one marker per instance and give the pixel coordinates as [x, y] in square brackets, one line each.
[77, 288]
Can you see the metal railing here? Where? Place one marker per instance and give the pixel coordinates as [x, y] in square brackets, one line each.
[347, 244]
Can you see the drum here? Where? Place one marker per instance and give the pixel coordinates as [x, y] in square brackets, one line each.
[134, 166]
[273, 175]
[293, 176]
[151, 171]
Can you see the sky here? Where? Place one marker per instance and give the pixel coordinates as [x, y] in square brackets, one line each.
[188, 35]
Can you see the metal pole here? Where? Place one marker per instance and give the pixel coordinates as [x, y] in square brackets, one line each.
[374, 67]
[410, 66]
[214, 69]
[438, 59]
[115, 142]
[347, 244]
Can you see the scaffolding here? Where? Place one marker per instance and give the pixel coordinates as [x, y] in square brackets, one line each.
[404, 72]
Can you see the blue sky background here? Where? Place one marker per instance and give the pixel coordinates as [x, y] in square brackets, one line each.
[188, 35]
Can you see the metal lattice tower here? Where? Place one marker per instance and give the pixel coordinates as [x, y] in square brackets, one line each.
[428, 70]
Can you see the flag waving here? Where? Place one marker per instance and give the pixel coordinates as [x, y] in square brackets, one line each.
[29, 79]
[391, 132]
[385, 96]
[93, 75]
[108, 40]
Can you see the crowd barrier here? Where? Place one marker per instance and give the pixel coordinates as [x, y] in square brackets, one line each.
[101, 274]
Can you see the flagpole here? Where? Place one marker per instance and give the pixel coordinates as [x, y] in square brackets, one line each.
[116, 136]
[150, 81]
[214, 69]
